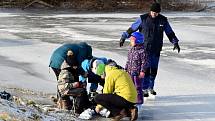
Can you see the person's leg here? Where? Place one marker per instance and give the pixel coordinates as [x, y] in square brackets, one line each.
[56, 71]
[145, 82]
[138, 85]
[113, 103]
[153, 70]
[65, 103]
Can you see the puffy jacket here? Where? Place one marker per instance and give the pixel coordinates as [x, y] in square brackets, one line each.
[81, 51]
[137, 60]
[65, 79]
[119, 82]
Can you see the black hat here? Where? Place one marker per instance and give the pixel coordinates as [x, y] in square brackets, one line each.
[155, 8]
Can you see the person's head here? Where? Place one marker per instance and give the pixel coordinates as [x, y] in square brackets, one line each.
[87, 48]
[155, 9]
[70, 53]
[71, 60]
[94, 64]
[136, 38]
[100, 70]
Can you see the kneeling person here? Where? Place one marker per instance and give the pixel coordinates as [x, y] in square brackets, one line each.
[119, 93]
[69, 85]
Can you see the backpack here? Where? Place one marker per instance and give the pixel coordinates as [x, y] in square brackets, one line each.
[5, 95]
[80, 100]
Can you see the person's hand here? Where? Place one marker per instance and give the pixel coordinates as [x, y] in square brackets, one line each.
[176, 46]
[142, 74]
[123, 38]
[85, 74]
[75, 84]
[98, 109]
[121, 42]
[83, 84]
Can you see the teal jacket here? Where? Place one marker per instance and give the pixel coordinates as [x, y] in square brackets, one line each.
[80, 50]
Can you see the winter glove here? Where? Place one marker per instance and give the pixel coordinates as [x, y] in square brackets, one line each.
[98, 108]
[176, 46]
[83, 84]
[122, 40]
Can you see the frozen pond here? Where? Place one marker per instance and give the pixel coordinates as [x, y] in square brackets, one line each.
[185, 82]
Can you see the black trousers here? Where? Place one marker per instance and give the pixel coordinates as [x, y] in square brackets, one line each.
[82, 101]
[56, 71]
[114, 103]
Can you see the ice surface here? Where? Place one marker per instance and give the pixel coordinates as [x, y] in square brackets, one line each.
[185, 83]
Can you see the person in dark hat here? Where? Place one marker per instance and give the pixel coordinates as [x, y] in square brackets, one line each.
[152, 25]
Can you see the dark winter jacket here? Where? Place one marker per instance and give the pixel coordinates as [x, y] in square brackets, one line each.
[81, 51]
[153, 29]
[136, 62]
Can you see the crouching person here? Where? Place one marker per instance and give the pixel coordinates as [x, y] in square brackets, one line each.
[69, 86]
[119, 93]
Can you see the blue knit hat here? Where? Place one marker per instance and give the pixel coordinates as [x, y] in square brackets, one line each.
[139, 37]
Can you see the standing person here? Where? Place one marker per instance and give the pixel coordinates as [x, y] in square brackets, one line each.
[119, 93]
[136, 64]
[152, 25]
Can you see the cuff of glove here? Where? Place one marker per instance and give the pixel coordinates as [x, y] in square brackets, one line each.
[125, 35]
[175, 41]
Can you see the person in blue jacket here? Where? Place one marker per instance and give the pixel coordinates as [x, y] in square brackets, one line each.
[94, 79]
[152, 25]
[77, 51]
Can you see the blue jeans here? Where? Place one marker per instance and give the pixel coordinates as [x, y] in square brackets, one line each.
[151, 72]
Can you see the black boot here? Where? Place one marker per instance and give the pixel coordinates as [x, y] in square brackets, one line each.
[152, 92]
[145, 93]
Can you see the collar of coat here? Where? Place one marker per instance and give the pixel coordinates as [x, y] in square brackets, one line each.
[139, 46]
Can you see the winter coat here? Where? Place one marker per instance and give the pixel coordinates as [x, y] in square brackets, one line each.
[153, 29]
[81, 51]
[119, 82]
[137, 60]
[65, 79]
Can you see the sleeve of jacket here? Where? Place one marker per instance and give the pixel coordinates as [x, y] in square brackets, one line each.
[127, 62]
[170, 33]
[134, 27]
[109, 85]
[144, 63]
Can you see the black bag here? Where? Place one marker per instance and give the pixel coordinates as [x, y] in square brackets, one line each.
[80, 98]
[5, 95]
